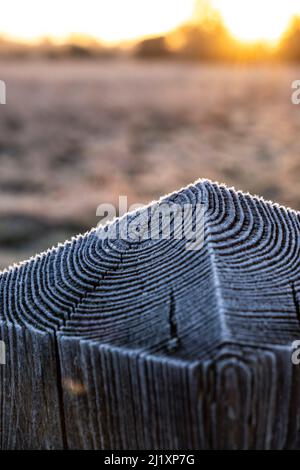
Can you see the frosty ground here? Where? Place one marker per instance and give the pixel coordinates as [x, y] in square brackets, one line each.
[76, 134]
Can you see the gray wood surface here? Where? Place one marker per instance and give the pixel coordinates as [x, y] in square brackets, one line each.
[115, 344]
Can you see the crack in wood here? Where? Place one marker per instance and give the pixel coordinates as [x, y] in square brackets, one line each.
[296, 302]
[174, 340]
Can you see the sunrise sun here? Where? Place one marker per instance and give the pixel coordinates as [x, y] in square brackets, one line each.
[256, 20]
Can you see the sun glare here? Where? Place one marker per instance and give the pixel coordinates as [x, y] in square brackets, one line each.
[257, 20]
[109, 20]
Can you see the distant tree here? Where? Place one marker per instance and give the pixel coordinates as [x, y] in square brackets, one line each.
[78, 51]
[289, 48]
[152, 48]
[208, 43]
[206, 40]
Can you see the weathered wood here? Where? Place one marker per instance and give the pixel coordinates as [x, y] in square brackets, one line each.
[146, 345]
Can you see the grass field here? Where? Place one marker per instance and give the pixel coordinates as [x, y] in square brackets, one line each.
[76, 134]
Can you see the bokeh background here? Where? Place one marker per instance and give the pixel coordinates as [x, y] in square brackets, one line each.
[139, 98]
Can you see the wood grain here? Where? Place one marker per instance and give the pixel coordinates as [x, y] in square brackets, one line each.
[114, 344]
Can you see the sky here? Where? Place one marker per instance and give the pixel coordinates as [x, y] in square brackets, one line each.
[109, 20]
[252, 20]
[117, 20]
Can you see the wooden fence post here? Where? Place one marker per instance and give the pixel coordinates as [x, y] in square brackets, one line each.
[144, 344]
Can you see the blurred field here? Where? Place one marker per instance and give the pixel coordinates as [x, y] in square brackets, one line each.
[76, 134]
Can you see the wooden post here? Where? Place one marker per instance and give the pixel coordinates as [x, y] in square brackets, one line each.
[144, 344]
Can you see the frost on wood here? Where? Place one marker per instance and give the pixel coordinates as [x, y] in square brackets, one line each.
[118, 345]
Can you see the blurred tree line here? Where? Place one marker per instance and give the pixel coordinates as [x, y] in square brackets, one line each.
[203, 39]
[212, 42]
